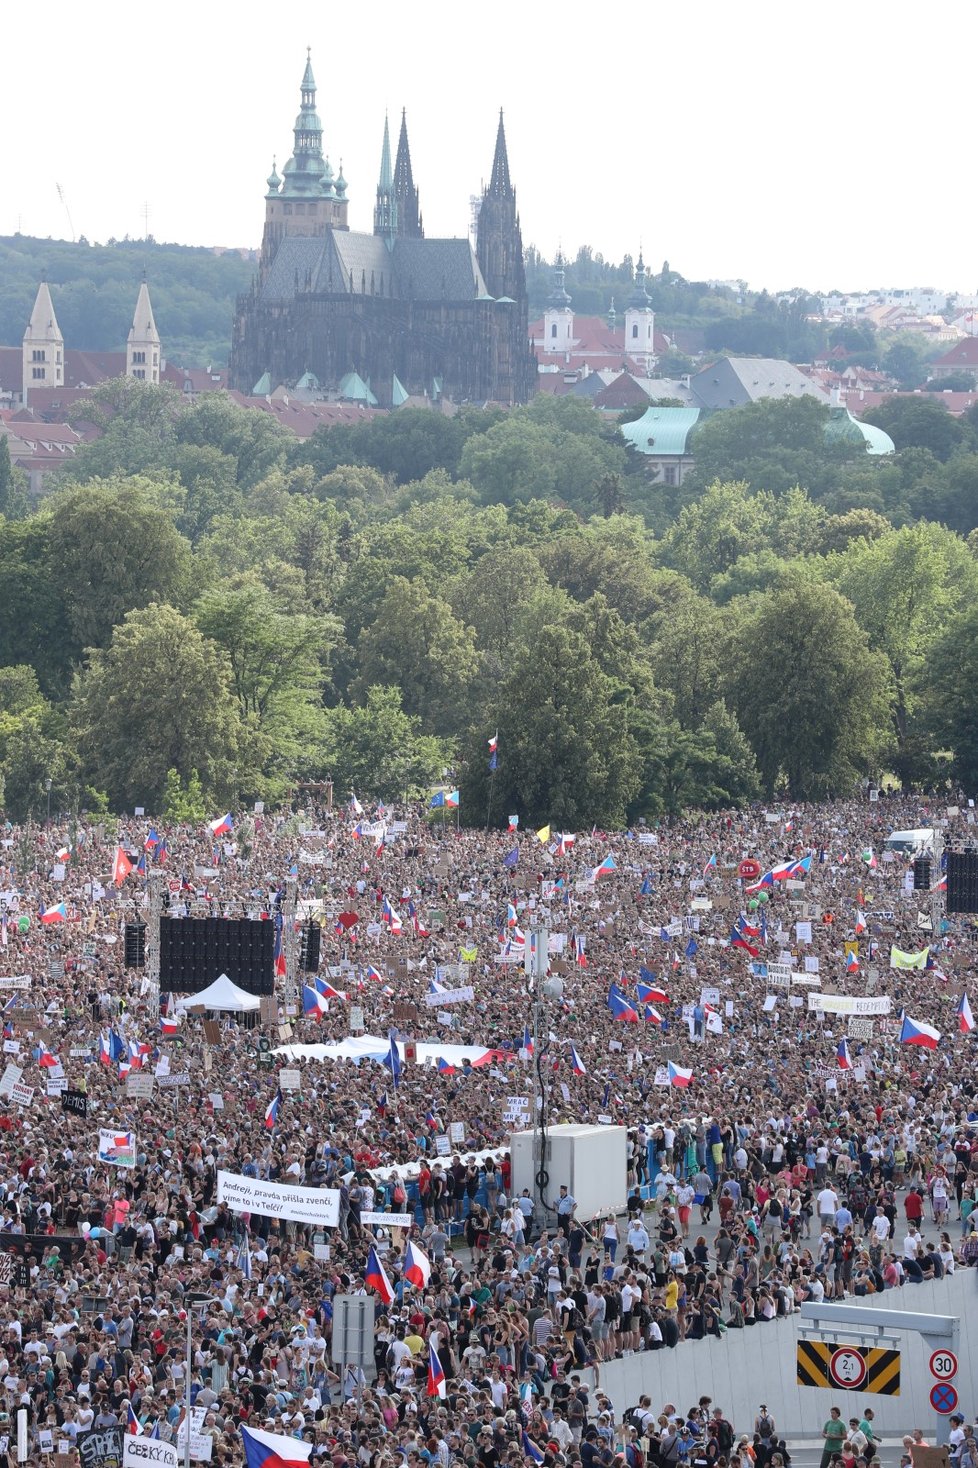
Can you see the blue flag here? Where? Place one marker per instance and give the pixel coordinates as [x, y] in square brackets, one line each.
[511, 859]
[392, 1059]
[493, 761]
[692, 948]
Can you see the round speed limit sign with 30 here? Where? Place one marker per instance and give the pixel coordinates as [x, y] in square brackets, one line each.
[944, 1365]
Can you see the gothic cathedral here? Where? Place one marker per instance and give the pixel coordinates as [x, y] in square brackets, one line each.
[386, 316]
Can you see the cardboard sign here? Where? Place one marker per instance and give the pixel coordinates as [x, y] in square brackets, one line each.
[212, 1031]
[21, 1095]
[140, 1085]
[290, 1080]
[11, 1077]
[268, 1010]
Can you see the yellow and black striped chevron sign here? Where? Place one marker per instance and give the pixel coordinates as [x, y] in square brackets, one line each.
[848, 1368]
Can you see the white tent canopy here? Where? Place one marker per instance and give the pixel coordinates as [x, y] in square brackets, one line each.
[222, 994]
[375, 1047]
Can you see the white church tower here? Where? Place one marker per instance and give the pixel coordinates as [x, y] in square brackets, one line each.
[143, 342]
[558, 319]
[44, 346]
[640, 322]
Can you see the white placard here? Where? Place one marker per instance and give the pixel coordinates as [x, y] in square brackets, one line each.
[770, 1003]
[388, 1220]
[216, 1100]
[320, 1251]
[661, 1076]
[142, 1451]
[11, 1047]
[290, 1080]
[849, 1004]
[21, 1095]
[140, 1085]
[15, 981]
[56, 1084]
[803, 932]
[302, 1205]
[456, 1132]
[449, 996]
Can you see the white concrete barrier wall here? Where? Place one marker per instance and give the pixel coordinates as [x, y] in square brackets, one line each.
[747, 1367]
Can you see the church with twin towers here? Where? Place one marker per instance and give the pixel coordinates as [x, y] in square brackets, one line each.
[387, 316]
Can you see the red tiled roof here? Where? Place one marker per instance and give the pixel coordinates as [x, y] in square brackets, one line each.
[963, 354]
[304, 418]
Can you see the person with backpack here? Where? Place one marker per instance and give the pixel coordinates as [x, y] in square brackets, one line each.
[764, 1436]
[723, 1431]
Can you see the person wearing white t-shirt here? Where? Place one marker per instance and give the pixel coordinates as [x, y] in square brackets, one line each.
[881, 1227]
[828, 1206]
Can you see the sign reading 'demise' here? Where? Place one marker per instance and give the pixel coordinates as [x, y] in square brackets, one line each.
[275, 1200]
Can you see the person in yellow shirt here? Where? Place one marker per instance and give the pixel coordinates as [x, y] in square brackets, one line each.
[672, 1293]
[414, 1343]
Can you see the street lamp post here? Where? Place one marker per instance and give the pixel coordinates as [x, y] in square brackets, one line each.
[544, 990]
[47, 785]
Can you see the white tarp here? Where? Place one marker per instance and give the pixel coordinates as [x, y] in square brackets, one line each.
[222, 994]
[376, 1047]
[320, 1206]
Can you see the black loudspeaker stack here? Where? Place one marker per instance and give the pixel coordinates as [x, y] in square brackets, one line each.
[962, 881]
[196, 951]
[921, 874]
[134, 942]
[309, 946]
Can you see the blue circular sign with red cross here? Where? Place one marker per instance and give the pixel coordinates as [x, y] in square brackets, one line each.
[943, 1397]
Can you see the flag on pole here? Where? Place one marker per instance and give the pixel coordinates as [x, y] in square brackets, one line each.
[272, 1110]
[543, 835]
[133, 1424]
[620, 1007]
[787, 871]
[678, 1076]
[121, 867]
[604, 868]
[417, 1266]
[514, 823]
[530, 1449]
[222, 825]
[844, 1058]
[56, 914]
[915, 1032]
[577, 1064]
[966, 1020]
[375, 1277]
[436, 1376]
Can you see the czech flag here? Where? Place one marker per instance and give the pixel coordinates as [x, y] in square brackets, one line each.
[738, 939]
[326, 991]
[966, 1020]
[273, 1449]
[845, 1059]
[152, 839]
[63, 854]
[514, 823]
[649, 989]
[169, 1024]
[915, 1032]
[45, 1057]
[530, 1449]
[652, 1014]
[859, 926]
[278, 948]
[417, 1266]
[565, 842]
[375, 1278]
[577, 1064]
[602, 870]
[373, 973]
[222, 825]
[678, 1076]
[312, 1001]
[580, 955]
[56, 914]
[787, 871]
[436, 1376]
[271, 1111]
[620, 1007]
[444, 1068]
[133, 1424]
[104, 1050]
[527, 1044]
[852, 964]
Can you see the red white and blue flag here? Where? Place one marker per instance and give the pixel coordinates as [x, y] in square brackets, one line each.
[375, 1278]
[577, 1064]
[222, 825]
[678, 1076]
[417, 1266]
[620, 1006]
[436, 1376]
[133, 1424]
[915, 1032]
[788, 871]
[56, 914]
[272, 1110]
[966, 1020]
[273, 1449]
[844, 1058]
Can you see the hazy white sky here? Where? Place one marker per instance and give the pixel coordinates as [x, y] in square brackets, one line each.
[783, 144]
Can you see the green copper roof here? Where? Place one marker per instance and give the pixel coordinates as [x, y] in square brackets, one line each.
[262, 387]
[399, 393]
[355, 390]
[842, 427]
[661, 431]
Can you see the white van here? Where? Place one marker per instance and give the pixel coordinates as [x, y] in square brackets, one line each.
[919, 842]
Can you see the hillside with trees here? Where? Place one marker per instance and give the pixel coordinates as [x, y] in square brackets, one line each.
[204, 610]
[94, 288]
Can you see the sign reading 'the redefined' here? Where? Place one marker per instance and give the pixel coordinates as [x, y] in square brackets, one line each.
[302, 1205]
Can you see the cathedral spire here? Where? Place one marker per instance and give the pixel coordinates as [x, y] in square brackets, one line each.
[303, 174]
[143, 342]
[499, 184]
[405, 193]
[43, 346]
[385, 210]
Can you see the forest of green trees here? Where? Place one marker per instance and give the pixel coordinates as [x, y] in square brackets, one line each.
[204, 609]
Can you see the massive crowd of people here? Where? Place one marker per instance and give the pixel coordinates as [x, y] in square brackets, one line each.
[787, 1166]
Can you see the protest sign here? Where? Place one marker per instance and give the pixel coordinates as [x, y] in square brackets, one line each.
[849, 1004]
[290, 1080]
[74, 1101]
[449, 996]
[142, 1451]
[388, 1220]
[101, 1448]
[21, 1095]
[10, 1078]
[320, 1206]
[116, 1148]
[140, 1084]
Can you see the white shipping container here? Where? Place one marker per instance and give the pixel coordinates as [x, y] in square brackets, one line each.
[591, 1160]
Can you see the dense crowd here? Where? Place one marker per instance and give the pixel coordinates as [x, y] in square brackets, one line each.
[787, 1167]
